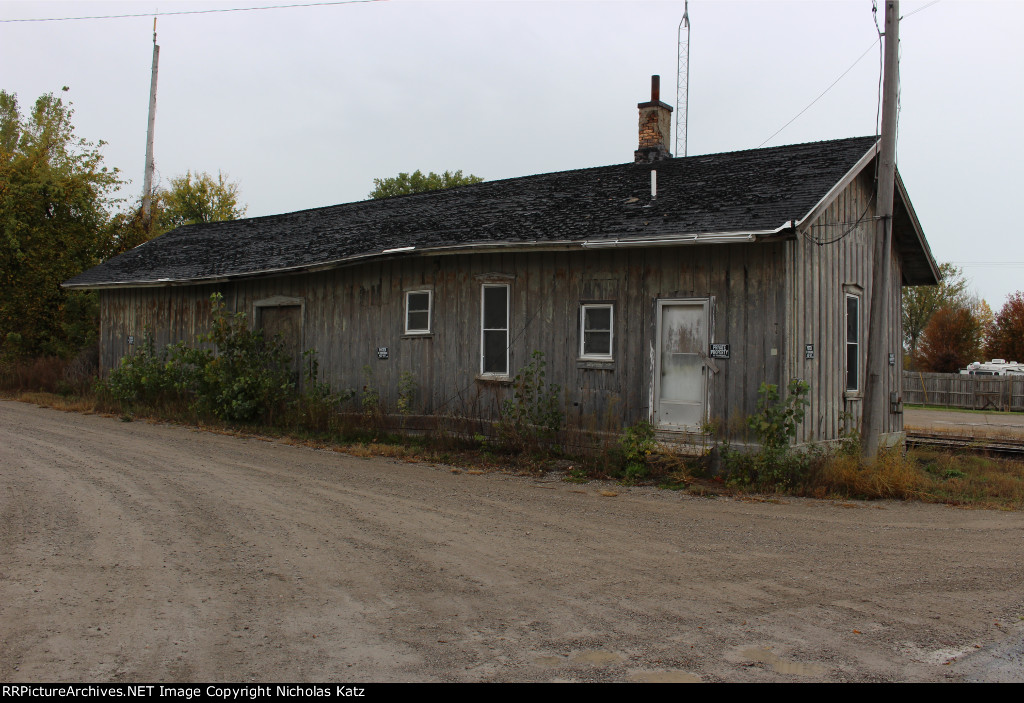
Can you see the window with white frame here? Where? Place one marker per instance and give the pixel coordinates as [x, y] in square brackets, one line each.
[852, 342]
[494, 329]
[596, 331]
[417, 311]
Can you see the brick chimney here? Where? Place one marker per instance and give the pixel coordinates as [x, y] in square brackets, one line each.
[655, 127]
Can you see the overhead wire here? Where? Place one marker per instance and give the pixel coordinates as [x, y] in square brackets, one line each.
[191, 12]
[810, 237]
[878, 114]
[809, 106]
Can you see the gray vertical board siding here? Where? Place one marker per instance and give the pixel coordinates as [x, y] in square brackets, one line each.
[762, 296]
[819, 277]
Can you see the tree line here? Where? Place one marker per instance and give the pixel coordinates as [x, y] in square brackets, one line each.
[945, 327]
[60, 215]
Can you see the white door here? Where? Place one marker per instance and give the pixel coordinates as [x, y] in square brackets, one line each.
[680, 372]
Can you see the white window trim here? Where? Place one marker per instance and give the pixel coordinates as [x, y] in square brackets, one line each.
[506, 329]
[847, 343]
[611, 332]
[430, 312]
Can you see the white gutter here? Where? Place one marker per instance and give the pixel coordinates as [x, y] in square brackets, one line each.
[560, 245]
[703, 238]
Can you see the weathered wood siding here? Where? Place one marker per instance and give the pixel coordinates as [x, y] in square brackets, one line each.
[348, 313]
[822, 266]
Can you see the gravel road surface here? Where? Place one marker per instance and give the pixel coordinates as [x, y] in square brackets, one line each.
[136, 551]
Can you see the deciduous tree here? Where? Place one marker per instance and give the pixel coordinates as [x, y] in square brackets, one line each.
[921, 302]
[417, 182]
[55, 200]
[1006, 340]
[196, 198]
[950, 341]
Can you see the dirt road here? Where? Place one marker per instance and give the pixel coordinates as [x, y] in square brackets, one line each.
[132, 551]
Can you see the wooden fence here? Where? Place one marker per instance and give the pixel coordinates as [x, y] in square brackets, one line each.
[953, 390]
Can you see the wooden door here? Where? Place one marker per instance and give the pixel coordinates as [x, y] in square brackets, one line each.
[286, 321]
[680, 377]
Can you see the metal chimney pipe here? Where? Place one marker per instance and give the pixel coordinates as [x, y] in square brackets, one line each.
[655, 88]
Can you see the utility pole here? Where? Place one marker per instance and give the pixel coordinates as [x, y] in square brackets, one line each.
[147, 185]
[878, 324]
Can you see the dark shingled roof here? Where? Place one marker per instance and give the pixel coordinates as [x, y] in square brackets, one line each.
[746, 191]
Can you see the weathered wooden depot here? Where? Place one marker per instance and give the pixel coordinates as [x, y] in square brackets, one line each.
[666, 289]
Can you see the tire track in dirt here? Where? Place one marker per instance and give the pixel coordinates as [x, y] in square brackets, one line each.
[132, 551]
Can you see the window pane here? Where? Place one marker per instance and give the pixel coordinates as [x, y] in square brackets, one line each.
[597, 318]
[419, 321]
[597, 343]
[419, 302]
[851, 367]
[495, 343]
[495, 307]
[852, 333]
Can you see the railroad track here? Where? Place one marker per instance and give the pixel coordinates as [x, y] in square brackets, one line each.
[989, 445]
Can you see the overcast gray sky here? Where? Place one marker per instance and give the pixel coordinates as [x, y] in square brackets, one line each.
[305, 107]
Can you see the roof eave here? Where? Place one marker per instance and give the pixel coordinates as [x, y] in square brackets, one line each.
[918, 232]
[626, 241]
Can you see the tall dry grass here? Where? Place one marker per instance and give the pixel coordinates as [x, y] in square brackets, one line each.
[893, 475]
[956, 478]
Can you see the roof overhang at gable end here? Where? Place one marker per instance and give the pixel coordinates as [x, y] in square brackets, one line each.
[919, 267]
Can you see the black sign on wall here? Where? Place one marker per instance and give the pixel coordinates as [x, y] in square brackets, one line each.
[719, 351]
[808, 351]
[382, 352]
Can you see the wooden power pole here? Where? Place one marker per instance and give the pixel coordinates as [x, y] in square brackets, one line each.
[147, 184]
[875, 410]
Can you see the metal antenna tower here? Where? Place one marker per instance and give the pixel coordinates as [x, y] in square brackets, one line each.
[683, 82]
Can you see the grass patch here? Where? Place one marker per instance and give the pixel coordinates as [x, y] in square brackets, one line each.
[961, 477]
[951, 477]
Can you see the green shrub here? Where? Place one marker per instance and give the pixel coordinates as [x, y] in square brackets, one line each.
[370, 399]
[532, 417]
[406, 392]
[775, 424]
[143, 377]
[636, 445]
[240, 377]
[246, 377]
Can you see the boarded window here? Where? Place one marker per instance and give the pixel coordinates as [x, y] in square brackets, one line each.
[852, 343]
[596, 332]
[417, 312]
[285, 322]
[494, 330]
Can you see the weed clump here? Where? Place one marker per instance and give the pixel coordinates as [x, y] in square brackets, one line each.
[776, 465]
[532, 418]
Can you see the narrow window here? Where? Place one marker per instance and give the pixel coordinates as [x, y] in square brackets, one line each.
[596, 332]
[417, 312]
[852, 342]
[494, 330]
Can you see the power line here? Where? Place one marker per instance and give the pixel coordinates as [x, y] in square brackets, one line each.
[877, 41]
[820, 96]
[924, 7]
[193, 12]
